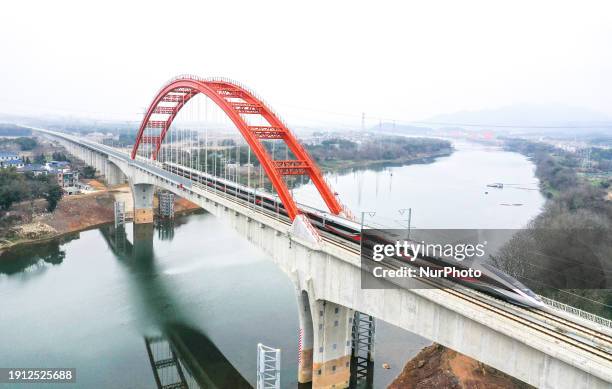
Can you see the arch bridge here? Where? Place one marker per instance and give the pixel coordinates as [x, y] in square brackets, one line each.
[236, 101]
[549, 349]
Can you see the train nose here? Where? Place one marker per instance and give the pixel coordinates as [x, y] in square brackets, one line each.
[534, 302]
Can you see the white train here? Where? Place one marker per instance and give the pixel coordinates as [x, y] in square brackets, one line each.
[492, 281]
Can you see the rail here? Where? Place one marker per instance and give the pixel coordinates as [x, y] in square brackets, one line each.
[576, 311]
[550, 302]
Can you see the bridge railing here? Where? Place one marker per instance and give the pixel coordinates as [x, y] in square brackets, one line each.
[578, 312]
[550, 302]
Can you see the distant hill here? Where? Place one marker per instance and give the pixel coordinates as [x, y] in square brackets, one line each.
[13, 130]
[527, 115]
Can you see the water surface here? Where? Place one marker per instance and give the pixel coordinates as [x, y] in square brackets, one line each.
[91, 300]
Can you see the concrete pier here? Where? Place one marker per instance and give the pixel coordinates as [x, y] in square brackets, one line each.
[332, 324]
[519, 342]
[143, 203]
[305, 346]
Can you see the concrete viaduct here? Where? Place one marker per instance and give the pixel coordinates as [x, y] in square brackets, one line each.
[550, 349]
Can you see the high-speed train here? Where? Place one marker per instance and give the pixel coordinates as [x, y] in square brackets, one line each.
[492, 281]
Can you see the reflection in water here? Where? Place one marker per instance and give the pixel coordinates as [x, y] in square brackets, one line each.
[191, 359]
[167, 368]
[226, 290]
[33, 256]
[165, 229]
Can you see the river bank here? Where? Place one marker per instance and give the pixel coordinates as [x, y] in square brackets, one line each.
[206, 277]
[82, 212]
[581, 205]
[344, 165]
[77, 213]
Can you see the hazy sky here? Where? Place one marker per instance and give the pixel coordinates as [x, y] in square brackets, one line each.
[404, 60]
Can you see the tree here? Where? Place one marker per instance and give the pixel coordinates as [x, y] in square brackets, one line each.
[53, 195]
[57, 156]
[13, 188]
[16, 187]
[40, 159]
[26, 143]
[88, 172]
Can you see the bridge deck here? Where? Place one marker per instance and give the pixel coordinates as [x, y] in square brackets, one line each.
[579, 342]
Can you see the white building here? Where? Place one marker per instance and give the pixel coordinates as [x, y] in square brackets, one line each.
[8, 156]
[16, 163]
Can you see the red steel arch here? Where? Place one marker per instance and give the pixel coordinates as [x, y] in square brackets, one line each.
[236, 101]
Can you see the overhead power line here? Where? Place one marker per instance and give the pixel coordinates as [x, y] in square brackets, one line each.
[395, 121]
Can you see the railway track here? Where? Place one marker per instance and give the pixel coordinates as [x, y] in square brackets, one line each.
[600, 347]
[601, 342]
[569, 326]
[562, 329]
[590, 340]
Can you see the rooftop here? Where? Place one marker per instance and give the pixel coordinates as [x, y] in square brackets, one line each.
[34, 167]
[13, 162]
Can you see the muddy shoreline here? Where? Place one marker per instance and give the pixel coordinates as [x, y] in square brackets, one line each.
[63, 234]
[69, 218]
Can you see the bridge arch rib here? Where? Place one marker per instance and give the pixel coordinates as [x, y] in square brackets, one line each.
[235, 101]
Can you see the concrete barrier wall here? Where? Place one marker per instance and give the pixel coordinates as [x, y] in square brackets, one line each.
[333, 275]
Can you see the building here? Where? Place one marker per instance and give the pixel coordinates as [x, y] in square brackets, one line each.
[16, 163]
[58, 166]
[67, 179]
[8, 156]
[35, 169]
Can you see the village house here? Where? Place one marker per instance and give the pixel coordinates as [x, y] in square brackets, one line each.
[8, 156]
[16, 163]
[37, 170]
[67, 179]
[55, 167]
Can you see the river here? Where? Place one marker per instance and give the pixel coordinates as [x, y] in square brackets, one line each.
[92, 301]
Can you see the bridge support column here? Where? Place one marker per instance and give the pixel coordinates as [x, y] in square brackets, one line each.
[143, 203]
[306, 339]
[332, 330]
[112, 174]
